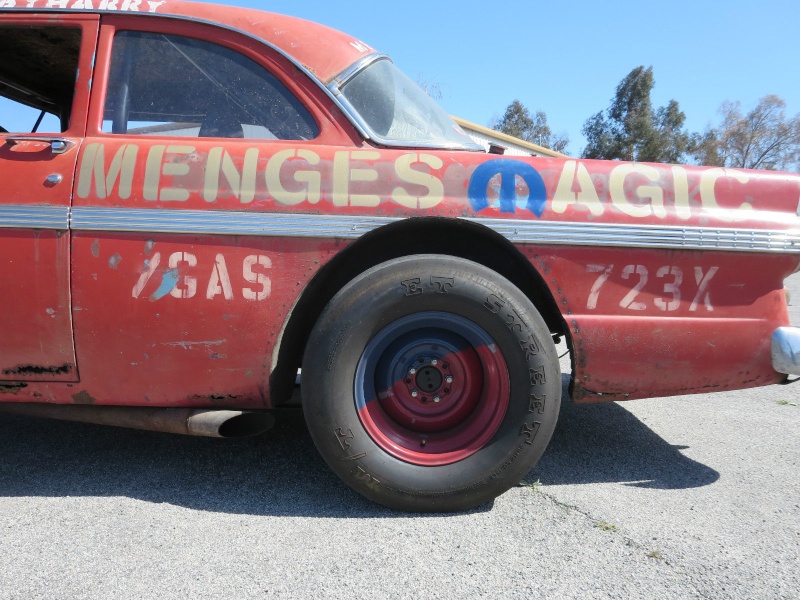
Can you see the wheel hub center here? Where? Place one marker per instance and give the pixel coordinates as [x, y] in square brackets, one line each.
[429, 379]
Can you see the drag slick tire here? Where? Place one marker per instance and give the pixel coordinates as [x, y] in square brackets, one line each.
[430, 383]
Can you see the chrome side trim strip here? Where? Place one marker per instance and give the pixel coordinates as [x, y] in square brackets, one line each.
[351, 227]
[14, 216]
[224, 223]
[644, 236]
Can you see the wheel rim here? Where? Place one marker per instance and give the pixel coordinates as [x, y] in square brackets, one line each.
[432, 388]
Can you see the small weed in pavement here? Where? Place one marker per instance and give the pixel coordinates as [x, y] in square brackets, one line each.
[605, 526]
[655, 554]
[786, 403]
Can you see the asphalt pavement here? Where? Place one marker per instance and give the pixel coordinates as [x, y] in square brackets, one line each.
[686, 497]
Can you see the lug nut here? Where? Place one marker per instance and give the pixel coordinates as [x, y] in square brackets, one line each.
[437, 399]
[449, 379]
[434, 362]
[412, 371]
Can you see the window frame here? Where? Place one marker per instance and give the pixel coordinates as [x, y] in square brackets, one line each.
[89, 26]
[307, 92]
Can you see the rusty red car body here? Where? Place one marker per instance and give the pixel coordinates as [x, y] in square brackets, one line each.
[155, 268]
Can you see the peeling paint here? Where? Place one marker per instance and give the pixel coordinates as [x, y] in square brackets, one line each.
[148, 247]
[39, 370]
[95, 248]
[12, 388]
[189, 345]
[583, 395]
[114, 260]
[217, 398]
[168, 281]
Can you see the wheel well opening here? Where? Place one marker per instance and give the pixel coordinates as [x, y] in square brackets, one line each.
[428, 235]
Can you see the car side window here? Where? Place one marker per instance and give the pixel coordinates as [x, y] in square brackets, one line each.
[172, 85]
[37, 77]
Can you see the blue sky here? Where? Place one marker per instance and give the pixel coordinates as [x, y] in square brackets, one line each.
[566, 58]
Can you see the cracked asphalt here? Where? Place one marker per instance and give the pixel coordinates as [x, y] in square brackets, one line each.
[687, 497]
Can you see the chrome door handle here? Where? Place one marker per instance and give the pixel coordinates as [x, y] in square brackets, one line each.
[58, 145]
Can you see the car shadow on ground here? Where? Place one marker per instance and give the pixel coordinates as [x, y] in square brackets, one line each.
[281, 474]
[600, 443]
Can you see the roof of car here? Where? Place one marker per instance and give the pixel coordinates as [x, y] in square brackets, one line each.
[323, 51]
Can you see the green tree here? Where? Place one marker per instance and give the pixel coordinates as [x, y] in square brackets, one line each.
[518, 122]
[630, 129]
[705, 148]
[764, 138]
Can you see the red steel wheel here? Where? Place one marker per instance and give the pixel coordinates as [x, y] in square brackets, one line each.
[431, 388]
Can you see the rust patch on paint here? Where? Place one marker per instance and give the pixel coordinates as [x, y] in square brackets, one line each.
[12, 388]
[216, 398]
[38, 370]
[83, 397]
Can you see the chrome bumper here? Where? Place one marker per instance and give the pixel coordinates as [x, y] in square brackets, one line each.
[786, 350]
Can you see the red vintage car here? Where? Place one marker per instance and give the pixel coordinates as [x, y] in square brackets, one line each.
[200, 202]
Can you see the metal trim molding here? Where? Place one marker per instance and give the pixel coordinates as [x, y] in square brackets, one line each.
[224, 223]
[15, 216]
[645, 236]
[545, 233]
[518, 232]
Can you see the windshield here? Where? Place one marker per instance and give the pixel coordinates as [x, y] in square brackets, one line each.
[398, 112]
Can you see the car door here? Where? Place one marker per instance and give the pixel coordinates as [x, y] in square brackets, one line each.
[45, 75]
[179, 262]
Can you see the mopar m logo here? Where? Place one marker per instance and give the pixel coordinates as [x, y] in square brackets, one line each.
[508, 171]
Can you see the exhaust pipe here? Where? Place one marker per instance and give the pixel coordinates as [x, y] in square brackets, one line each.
[183, 421]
